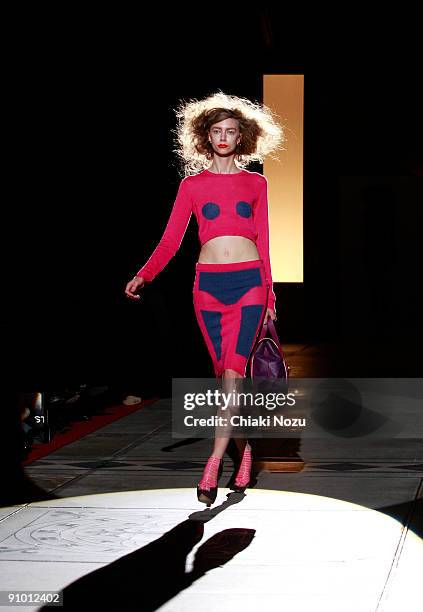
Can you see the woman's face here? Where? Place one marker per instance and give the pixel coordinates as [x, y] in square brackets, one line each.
[224, 136]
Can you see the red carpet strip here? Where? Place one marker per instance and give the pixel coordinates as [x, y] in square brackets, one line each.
[79, 429]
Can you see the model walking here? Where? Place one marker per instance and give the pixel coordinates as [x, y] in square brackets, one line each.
[233, 289]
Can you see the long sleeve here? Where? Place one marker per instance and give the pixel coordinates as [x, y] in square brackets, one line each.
[261, 219]
[172, 236]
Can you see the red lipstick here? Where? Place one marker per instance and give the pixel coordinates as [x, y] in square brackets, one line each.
[222, 146]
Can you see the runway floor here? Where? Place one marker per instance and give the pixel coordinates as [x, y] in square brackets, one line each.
[345, 534]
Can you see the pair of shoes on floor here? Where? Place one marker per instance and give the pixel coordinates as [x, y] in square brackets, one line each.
[207, 488]
[243, 477]
[130, 400]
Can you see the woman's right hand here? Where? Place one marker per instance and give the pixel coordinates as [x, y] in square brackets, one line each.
[136, 283]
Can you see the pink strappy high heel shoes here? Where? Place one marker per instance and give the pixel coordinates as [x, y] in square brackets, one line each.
[207, 488]
[243, 476]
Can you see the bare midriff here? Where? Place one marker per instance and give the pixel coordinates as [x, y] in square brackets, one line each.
[228, 249]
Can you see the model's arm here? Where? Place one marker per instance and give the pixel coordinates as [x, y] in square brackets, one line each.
[261, 217]
[172, 236]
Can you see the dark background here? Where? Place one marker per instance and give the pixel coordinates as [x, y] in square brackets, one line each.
[93, 178]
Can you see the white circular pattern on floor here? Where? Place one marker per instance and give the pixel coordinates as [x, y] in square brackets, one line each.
[307, 552]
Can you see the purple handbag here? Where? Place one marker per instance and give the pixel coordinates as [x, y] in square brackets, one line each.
[268, 360]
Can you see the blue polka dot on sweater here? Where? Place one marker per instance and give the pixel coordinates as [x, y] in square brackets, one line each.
[210, 210]
[243, 209]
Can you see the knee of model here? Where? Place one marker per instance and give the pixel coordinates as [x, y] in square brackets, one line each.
[231, 374]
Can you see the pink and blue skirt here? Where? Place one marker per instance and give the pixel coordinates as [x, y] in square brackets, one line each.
[230, 301]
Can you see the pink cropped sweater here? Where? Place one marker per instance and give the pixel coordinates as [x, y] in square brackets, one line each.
[224, 205]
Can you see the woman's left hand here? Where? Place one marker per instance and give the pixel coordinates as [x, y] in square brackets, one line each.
[270, 313]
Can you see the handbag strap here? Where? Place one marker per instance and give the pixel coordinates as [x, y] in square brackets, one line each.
[270, 327]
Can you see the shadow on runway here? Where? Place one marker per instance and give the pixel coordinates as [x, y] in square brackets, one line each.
[149, 577]
[409, 514]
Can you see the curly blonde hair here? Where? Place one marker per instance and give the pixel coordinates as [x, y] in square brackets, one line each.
[261, 132]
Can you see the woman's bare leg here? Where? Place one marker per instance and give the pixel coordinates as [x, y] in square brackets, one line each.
[241, 444]
[207, 488]
[231, 380]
